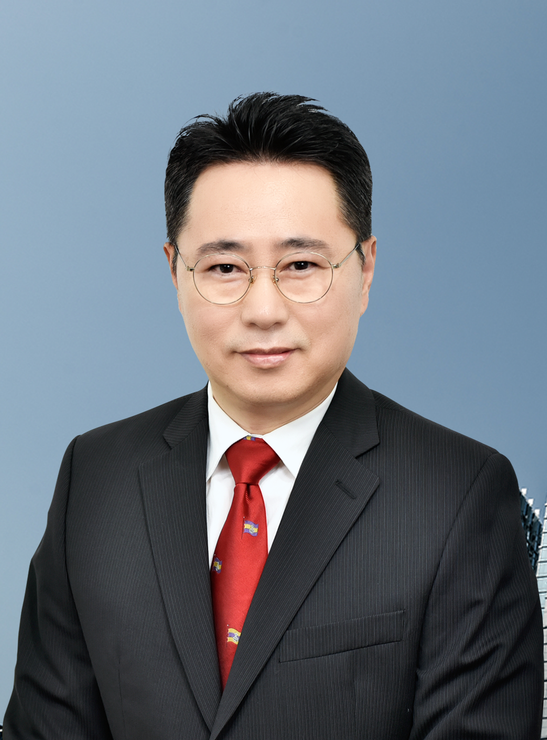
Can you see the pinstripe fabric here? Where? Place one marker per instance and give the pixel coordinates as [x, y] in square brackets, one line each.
[397, 602]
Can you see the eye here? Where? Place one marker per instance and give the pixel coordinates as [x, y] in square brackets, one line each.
[227, 269]
[301, 265]
[224, 269]
[221, 266]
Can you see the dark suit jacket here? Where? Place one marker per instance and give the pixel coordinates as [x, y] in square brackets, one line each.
[397, 600]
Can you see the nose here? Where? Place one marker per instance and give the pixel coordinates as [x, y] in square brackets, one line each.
[264, 306]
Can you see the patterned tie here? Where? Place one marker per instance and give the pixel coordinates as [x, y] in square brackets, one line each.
[242, 547]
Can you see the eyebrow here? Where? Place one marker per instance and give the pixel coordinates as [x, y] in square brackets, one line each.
[220, 246]
[305, 243]
[223, 246]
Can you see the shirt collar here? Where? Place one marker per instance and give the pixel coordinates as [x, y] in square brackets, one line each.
[290, 441]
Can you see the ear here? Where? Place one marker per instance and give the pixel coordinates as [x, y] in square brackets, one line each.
[369, 250]
[169, 250]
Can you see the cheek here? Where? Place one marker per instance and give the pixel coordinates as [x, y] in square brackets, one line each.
[205, 324]
[332, 332]
[190, 317]
[348, 307]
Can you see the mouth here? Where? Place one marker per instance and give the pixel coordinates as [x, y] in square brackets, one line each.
[265, 358]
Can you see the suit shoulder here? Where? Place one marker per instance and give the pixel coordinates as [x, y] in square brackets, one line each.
[436, 467]
[394, 418]
[147, 428]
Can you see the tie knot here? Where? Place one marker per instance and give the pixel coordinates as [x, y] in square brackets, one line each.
[250, 460]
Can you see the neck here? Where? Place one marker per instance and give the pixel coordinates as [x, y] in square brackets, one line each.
[262, 418]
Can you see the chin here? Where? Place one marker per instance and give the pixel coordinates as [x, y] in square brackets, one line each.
[269, 393]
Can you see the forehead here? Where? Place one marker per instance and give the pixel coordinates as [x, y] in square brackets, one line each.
[262, 203]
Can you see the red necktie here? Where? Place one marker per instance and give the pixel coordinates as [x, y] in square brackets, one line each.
[242, 547]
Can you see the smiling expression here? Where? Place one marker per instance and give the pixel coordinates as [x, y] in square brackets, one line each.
[270, 360]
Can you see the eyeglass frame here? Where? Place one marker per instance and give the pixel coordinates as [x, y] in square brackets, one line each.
[275, 279]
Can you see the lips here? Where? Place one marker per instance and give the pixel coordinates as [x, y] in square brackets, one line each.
[265, 358]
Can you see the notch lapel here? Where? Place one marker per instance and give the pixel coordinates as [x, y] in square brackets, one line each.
[173, 490]
[329, 494]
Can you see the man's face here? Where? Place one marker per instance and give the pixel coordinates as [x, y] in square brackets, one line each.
[270, 360]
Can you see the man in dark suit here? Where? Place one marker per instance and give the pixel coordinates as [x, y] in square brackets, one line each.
[394, 599]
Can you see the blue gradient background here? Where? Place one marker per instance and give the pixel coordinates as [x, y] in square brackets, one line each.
[449, 99]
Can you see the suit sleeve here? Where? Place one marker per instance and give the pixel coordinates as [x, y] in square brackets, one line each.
[480, 669]
[55, 695]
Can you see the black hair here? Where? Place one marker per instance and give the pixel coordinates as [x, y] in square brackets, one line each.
[267, 127]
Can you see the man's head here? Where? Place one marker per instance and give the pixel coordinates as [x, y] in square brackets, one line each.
[266, 127]
[276, 352]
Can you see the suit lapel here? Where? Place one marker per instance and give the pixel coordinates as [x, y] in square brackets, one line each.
[329, 494]
[173, 489]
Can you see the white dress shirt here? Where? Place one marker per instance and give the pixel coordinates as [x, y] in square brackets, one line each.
[290, 442]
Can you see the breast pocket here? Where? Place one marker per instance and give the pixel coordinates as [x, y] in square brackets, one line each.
[338, 637]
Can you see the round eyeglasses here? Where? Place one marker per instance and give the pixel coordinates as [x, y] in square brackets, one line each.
[302, 277]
